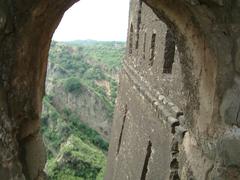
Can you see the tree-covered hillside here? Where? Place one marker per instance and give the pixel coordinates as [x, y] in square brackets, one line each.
[81, 89]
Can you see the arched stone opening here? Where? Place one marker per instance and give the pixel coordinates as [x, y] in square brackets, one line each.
[208, 41]
[26, 31]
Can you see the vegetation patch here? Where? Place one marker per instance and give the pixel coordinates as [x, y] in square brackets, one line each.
[73, 85]
[75, 151]
[76, 160]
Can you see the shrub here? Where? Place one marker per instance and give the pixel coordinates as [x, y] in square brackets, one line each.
[76, 161]
[73, 85]
[94, 73]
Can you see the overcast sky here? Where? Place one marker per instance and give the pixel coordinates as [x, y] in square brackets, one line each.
[105, 20]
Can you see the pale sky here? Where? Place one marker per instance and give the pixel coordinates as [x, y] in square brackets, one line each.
[105, 20]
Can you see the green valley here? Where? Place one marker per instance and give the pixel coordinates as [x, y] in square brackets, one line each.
[81, 88]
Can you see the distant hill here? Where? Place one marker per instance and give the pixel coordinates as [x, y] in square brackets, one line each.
[93, 42]
[81, 88]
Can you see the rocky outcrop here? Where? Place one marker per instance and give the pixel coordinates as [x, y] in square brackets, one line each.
[87, 105]
[79, 87]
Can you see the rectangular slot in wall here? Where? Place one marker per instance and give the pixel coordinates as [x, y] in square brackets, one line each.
[152, 50]
[139, 20]
[144, 45]
[146, 162]
[121, 133]
[169, 52]
[131, 39]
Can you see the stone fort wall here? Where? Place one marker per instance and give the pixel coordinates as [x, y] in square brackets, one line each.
[149, 118]
[167, 122]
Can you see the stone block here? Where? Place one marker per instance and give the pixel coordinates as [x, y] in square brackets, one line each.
[228, 148]
[237, 56]
[230, 107]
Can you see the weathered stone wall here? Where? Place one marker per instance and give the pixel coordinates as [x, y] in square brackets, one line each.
[26, 28]
[175, 119]
[149, 106]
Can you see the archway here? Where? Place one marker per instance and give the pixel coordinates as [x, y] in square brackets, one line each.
[81, 87]
[208, 37]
